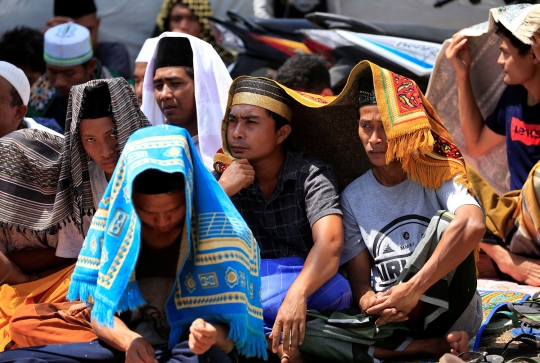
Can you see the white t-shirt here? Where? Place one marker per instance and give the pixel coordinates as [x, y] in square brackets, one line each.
[70, 240]
[390, 221]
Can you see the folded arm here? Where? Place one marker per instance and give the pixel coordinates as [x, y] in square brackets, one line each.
[5, 268]
[359, 276]
[120, 337]
[459, 239]
[29, 265]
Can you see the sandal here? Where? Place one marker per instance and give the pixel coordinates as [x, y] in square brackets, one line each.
[483, 357]
[528, 311]
[501, 322]
[528, 339]
[526, 328]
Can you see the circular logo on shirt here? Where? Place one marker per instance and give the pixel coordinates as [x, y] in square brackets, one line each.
[393, 246]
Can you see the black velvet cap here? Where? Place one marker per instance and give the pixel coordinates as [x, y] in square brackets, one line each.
[366, 94]
[153, 181]
[174, 52]
[74, 8]
[96, 102]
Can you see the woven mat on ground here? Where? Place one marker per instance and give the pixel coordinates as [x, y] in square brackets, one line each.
[492, 301]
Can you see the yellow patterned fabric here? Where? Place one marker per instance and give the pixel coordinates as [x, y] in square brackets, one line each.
[416, 136]
[218, 277]
[327, 127]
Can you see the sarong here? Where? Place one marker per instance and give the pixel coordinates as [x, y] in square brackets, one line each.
[277, 276]
[52, 289]
[50, 323]
[498, 210]
[523, 238]
[514, 216]
[351, 336]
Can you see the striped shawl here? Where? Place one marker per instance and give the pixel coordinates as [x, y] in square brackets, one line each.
[128, 118]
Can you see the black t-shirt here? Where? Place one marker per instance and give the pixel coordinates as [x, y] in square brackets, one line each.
[521, 126]
[158, 262]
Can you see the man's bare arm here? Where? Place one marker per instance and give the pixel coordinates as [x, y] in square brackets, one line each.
[479, 138]
[461, 236]
[39, 260]
[321, 265]
[120, 337]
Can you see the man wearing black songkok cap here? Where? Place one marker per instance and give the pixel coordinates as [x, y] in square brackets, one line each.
[174, 86]
[84, 12]
[186, 84]
[290, 201]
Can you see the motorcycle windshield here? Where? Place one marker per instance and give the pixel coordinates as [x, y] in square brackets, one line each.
[415, 55]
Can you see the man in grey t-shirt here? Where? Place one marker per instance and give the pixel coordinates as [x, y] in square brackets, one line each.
[386, 213]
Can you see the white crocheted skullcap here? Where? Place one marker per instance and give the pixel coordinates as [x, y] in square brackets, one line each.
[16, 77]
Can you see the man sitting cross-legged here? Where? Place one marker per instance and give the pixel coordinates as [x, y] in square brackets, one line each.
[290, 201]
[174, 257]
[421, 259]
[102, 114]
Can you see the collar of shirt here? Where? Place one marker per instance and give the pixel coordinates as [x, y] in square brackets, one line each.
[289, 171]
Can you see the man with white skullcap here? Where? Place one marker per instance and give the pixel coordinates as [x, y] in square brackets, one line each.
[70, 61]
[141, 62]
[113, 55]
[14, 94]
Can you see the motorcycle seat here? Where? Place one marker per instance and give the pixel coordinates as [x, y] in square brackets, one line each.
[415, 31]
[288, 26]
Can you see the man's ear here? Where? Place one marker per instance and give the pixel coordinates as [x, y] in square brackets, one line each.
[283, 133]
[327, 92]
[91, 66]
[19, 114]
[534, 57]
[98, 21]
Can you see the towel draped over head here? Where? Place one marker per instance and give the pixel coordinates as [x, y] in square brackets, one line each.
[127, 118]
[218, 266]
[327, 127]
[416, 136]
[30, 196]
[212, 81]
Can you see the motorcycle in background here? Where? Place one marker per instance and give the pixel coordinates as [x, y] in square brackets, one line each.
[409, 49]
[259, 44]
[406, 48]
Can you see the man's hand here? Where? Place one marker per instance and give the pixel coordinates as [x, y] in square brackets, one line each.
[17, 276]
[57, 20]
[459, 55]
[238, 175]
[202, 336]
[140, 351]
[291, 320]
[396, 303]
[389, 315]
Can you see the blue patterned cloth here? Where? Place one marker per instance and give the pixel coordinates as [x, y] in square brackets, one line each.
[218, 278]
